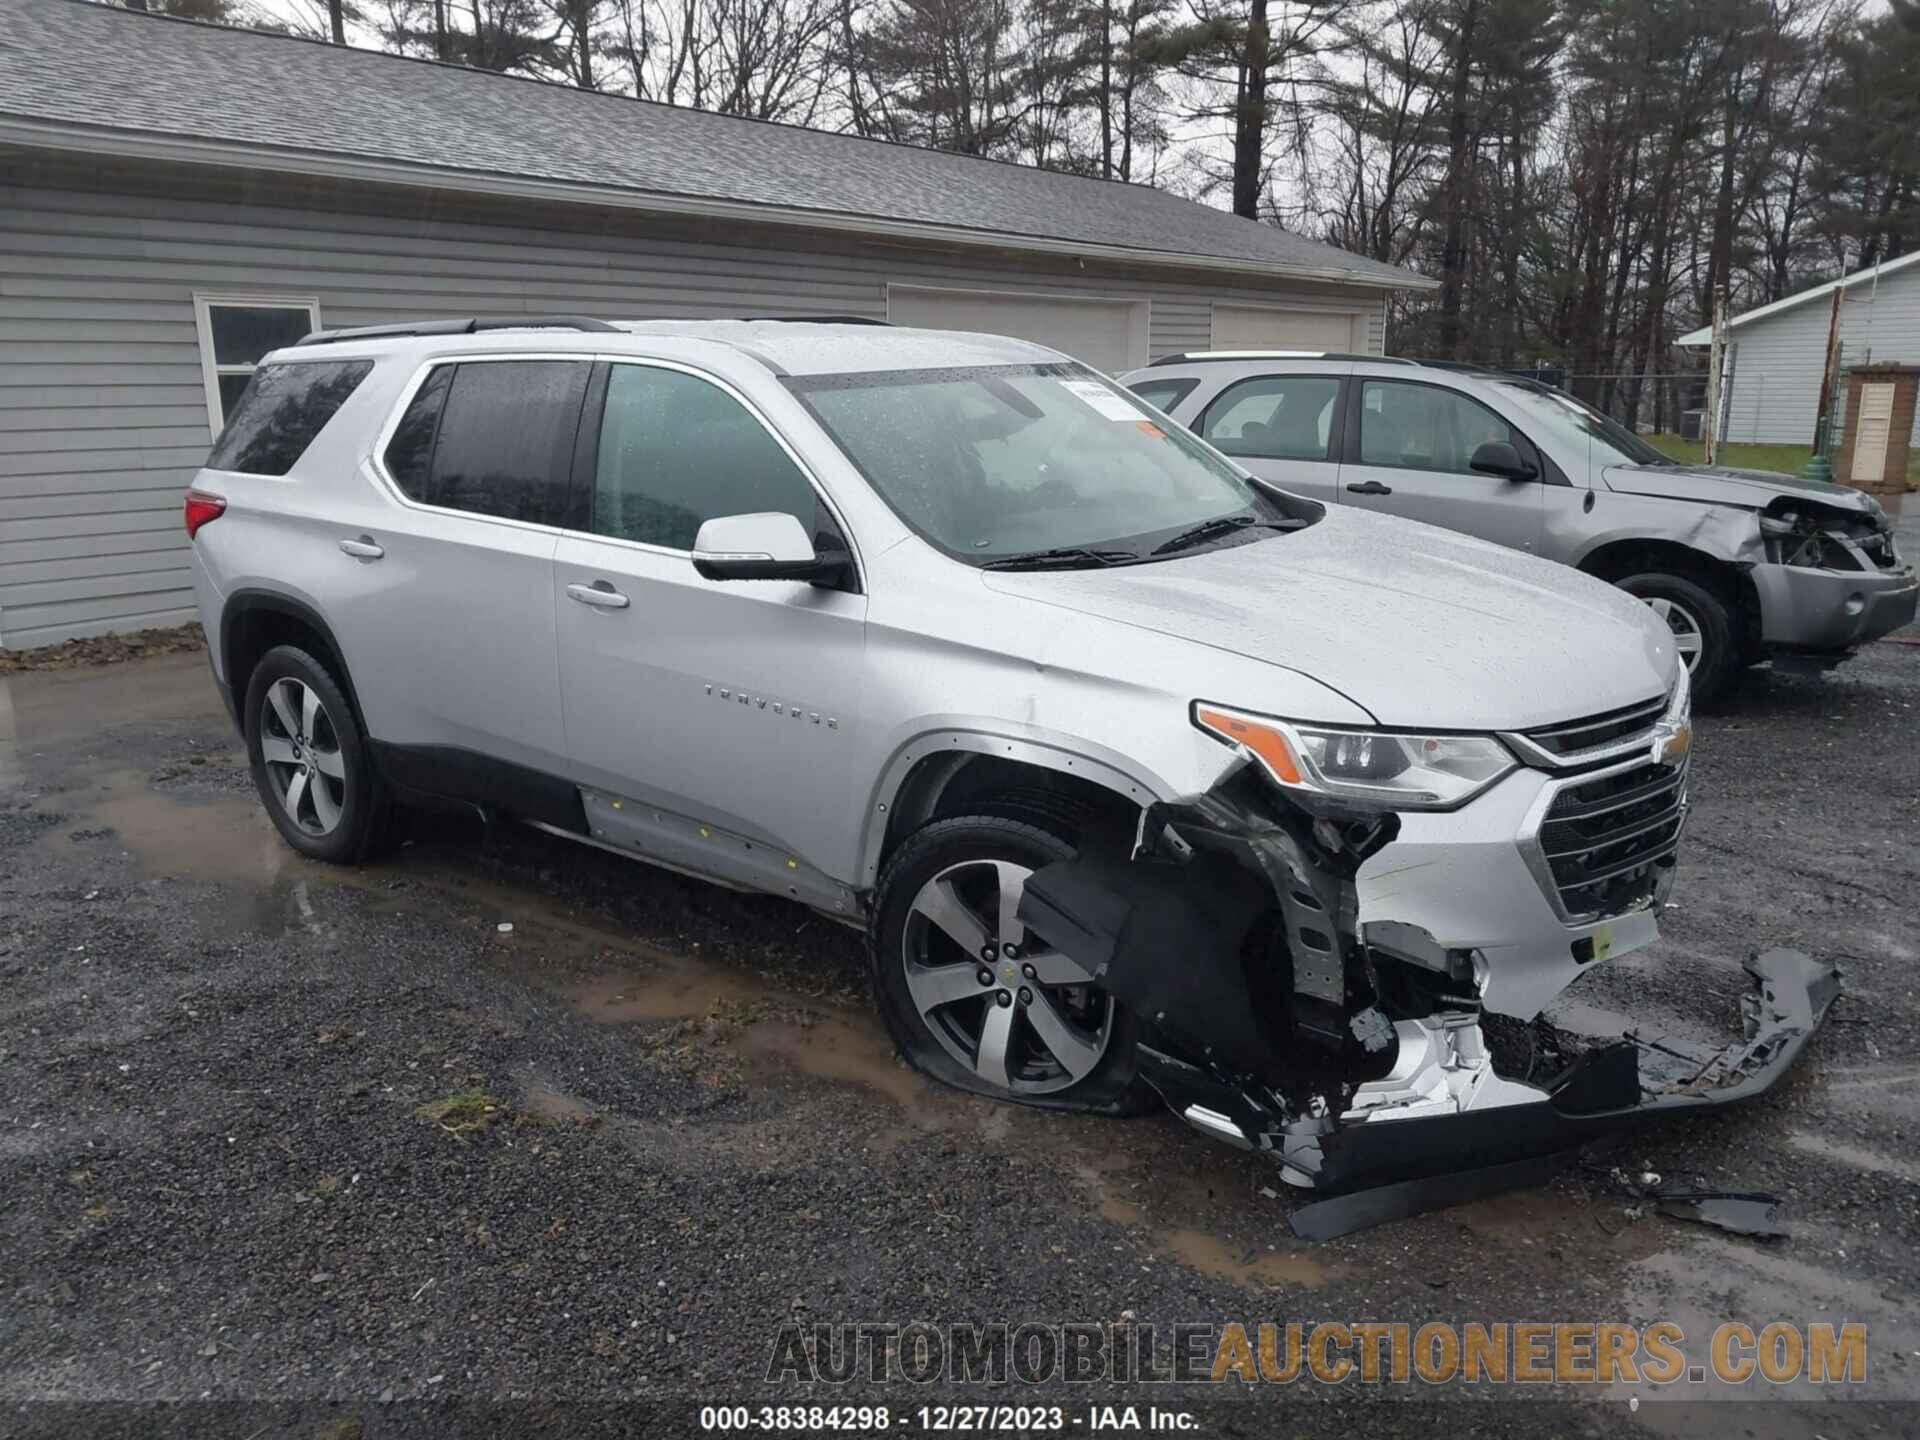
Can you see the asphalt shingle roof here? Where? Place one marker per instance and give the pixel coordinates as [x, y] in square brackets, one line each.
[91, 68]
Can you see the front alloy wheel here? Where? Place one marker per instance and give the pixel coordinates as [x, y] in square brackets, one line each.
[976, 1000]
[1024, 1018]
[301, 749]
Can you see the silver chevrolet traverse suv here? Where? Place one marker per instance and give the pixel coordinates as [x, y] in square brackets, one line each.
[1141, 775]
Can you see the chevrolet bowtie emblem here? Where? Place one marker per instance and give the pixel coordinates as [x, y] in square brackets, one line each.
[1672, 743]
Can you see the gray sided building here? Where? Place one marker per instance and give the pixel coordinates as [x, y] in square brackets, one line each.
[176, 198]
[1776, 354]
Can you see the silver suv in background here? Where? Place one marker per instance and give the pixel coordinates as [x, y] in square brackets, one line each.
[1139, 773]
[1742, 565]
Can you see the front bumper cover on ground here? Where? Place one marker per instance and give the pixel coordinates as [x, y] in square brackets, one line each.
[1476, 1151]
[1234, 933]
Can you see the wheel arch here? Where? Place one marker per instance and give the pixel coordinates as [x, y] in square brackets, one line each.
[254, 621]
[1615, 560]
[956, 770]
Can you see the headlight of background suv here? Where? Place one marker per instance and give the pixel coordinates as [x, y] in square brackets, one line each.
[1381, 769]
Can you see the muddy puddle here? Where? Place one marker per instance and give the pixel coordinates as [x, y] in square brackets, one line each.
[43, 709]
[183, 833]
[1202, 1222]
[765, 1027]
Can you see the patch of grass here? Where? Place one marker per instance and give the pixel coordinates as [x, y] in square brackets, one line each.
[462, 1112]
[1785, 458]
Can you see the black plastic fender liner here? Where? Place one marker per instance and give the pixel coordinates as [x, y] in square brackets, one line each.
[1166, 941]
[1232, 929]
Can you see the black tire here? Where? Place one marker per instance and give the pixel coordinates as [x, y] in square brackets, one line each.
[355, 801]
[1110, 1086]
[1692, 601]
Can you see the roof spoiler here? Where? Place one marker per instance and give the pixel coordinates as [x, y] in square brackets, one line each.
[461, 327]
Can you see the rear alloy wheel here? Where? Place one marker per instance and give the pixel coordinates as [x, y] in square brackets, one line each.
[310, 762]
[1699, 621]
[972, 996]
[300, 748]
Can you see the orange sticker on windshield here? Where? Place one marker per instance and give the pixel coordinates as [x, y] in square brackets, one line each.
[1148, 428]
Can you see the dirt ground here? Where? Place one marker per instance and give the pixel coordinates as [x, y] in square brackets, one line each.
[326, 1152]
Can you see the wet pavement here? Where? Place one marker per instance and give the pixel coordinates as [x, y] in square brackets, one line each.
[341, 1142]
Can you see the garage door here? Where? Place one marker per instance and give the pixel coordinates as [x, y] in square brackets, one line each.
[1261, 327]
[1109, 335]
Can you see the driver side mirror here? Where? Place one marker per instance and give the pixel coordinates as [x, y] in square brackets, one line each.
[771, 545]
[1498, 457]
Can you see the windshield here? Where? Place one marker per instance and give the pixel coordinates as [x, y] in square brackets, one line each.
[989, 462]
[1579, 425]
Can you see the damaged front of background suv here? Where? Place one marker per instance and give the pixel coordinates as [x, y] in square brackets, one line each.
[1824, 572]
[1293, 1014]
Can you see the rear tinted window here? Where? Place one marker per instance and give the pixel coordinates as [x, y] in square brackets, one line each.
[283, 407]
[494, 437]
[410, 452]
[1163, 394]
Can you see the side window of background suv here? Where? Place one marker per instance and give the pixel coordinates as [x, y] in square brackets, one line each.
[494, 437]
[1423, 427]
[1274, 417]
[676, 450]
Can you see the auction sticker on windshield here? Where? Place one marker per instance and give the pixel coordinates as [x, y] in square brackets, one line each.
[1109, 403]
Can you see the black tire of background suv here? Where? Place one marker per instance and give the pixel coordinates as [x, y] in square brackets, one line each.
[1719, 648]
[365, 811]
[1113, 1088]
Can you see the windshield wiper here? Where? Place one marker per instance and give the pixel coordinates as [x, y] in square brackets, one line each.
[1213, 529]
[1062, 558]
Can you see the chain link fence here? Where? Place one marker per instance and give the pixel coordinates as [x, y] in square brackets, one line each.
[1674, 402]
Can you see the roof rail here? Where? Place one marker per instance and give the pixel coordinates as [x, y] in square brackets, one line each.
[461, 327]
[818, 319]
[1205, 357]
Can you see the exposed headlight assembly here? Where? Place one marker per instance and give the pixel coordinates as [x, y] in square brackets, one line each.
[1377, 769]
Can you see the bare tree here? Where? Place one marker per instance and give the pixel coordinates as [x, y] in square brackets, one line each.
[769, 58]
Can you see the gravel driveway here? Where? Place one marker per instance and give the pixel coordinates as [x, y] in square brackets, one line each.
[503, 1133]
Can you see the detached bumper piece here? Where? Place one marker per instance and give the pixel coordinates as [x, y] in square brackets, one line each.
[1612, 1088]
[1275, 1028]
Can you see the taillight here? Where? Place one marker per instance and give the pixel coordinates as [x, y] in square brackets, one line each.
[203, 506]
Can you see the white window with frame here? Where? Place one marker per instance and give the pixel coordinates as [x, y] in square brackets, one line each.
[235, 332]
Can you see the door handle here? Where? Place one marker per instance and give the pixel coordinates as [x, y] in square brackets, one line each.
[362, 549]
[1372, 487]
[599, 594]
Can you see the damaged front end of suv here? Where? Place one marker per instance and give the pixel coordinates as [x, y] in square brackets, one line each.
[1363, 953]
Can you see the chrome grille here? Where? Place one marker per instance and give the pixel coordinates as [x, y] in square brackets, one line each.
[1568, 741]
[1606, 840]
